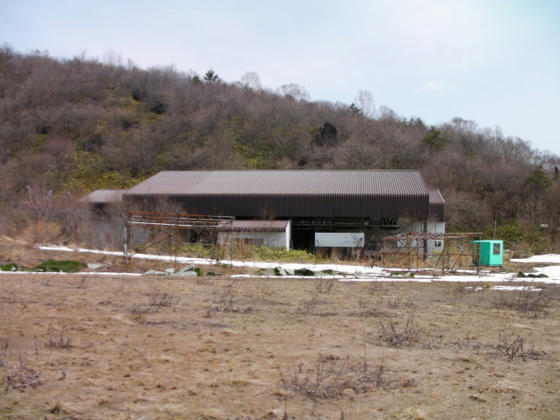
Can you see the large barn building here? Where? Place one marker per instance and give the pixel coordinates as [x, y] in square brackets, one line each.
[330, 208]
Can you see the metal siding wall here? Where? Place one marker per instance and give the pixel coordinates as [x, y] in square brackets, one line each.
[295, 205]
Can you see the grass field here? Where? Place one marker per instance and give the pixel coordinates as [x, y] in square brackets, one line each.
[93, 347]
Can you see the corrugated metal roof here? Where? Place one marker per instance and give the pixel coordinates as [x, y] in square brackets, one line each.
[291, 193]
[103, 196]
[375, 182]
[257, 226]
[437, 206]
[436, 197]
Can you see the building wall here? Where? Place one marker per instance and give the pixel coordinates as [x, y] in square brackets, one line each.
[103, 232]
[432, 227]
[269, 239]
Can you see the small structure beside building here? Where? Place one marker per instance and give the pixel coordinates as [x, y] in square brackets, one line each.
[103, 225]
[488, 253]
[269, 233]
[101, 201]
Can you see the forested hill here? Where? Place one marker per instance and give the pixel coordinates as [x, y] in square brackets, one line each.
[78, 125]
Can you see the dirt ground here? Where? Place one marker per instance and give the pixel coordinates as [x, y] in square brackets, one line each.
[89, 347]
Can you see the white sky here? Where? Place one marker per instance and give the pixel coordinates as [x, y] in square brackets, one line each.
[496, 62]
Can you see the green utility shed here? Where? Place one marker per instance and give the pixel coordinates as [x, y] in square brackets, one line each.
[488, 252]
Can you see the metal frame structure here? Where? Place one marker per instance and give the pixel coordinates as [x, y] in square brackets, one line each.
[406, 250]
[170, 224]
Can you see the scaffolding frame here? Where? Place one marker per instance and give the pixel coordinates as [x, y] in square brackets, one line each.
[170, 224]
[406, 250]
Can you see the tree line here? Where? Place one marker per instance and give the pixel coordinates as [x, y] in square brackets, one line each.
[69, 126]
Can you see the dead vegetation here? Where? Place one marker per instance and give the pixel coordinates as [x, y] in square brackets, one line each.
[529, 302]
[513, 347]
[406, 336]
[62, 342]
[19, 375]
[334, 377]
[225, 301]
[272, 344]
[157, 301]
[325, 285]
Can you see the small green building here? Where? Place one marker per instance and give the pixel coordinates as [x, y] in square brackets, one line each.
[488, 252]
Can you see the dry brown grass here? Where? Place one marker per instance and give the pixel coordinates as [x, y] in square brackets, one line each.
[472, 360]
[529, 302]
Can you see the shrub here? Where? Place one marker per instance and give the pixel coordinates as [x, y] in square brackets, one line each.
[333, 376]
[58, 266]
[408, 336]
[529, 302]
[281, 254]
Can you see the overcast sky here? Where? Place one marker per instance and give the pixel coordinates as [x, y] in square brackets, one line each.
[496, 62]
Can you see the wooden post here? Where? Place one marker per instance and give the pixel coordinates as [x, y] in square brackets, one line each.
[127, 237]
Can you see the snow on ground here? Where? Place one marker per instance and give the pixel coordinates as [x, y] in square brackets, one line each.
[552, 271]
[348, 272]
[516, 288]
[342, 268]
[548, 258]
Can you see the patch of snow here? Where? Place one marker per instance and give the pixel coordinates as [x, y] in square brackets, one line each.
[95, 266]
[348, 272]
[552, 271]
[55, 248]
[347, 269]
[515, 288]
[288, 276]
[416, 279]
[548, 258]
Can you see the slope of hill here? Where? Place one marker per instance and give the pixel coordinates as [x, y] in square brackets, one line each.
[71, 126]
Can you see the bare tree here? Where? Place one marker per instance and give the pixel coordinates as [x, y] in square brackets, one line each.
[295, 92]
[365, 102]
[251, 80]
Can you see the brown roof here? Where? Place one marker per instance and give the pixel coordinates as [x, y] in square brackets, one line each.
[103, 196]
[437, 206]
[291, 193]
[370, 182]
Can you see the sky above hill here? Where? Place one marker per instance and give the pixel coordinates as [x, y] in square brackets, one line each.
[494, 62]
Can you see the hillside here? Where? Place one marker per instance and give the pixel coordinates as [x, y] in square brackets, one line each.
[72, 126]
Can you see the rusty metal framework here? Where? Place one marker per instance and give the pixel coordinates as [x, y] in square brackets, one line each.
[166, 227]
[409, 251]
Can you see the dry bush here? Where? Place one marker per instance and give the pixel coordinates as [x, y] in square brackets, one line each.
[225, 301]
[529, 302]
[399, 304]
[203, 281]
[157, 301]
[61, 343]
[325, 285]
[42, 231]
[309, 306]
[142, 308]
[374, 287]
[332, 377]
[406, 337]
[21, 376]
[160, 300]
[514, 348]
[264, 291]
[368, 309]
[3, 352]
